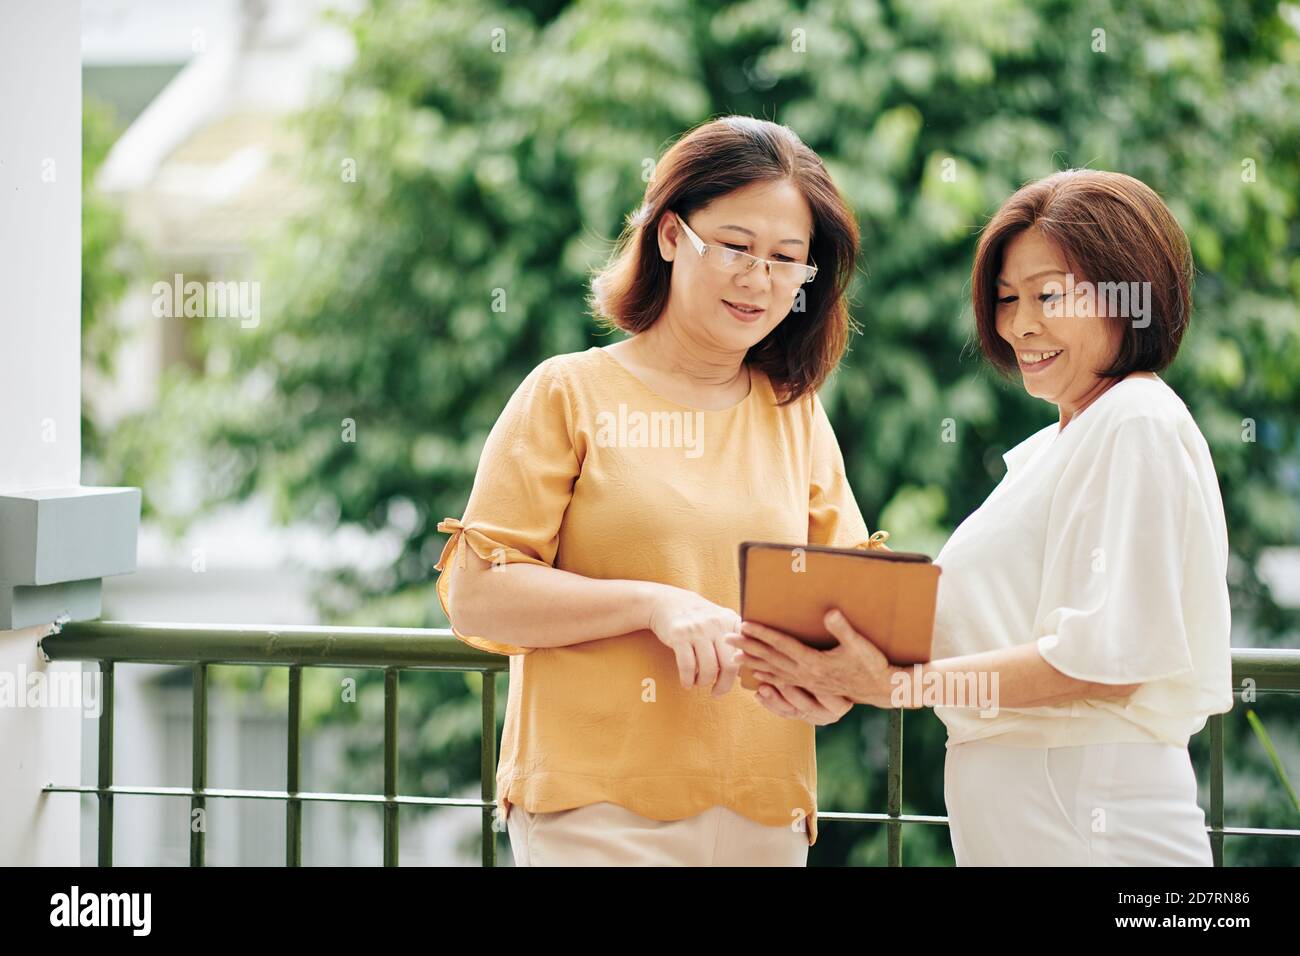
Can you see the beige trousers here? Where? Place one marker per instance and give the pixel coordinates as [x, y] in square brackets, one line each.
[605, 834]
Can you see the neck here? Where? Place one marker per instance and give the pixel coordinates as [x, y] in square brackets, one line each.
[668, 346]
[1070, 410]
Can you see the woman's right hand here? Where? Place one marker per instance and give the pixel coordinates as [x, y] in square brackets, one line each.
[693, 629]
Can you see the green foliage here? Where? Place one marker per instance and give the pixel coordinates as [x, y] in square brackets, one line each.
[106, 258]
[483, 171]
[1266, 742]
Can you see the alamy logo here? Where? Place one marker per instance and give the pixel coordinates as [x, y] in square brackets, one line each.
[626, 429]
[103, 909]
[211, 300]
[1119, 300]
[945, 688]
[39, 689]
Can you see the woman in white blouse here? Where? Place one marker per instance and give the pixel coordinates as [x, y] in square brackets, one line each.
[1082, 627]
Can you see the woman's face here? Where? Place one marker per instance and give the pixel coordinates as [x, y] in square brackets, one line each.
[1059, 348]
[770, 220]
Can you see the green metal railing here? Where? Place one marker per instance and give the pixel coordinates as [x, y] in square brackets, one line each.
[396, 649]
[200, 646]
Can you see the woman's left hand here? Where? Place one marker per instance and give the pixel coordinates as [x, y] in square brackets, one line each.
[799, 704]
[855, 669]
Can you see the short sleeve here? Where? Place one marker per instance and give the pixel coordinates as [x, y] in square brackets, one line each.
[1112, 602]
[521, 490]
[834, 519]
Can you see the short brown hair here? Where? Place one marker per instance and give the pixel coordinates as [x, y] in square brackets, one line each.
[711, 160]
[1111, 228]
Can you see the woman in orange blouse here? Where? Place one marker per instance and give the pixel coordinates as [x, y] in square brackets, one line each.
[610, 500]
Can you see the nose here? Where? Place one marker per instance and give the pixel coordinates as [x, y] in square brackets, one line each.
[758, 278]
[1027, 318]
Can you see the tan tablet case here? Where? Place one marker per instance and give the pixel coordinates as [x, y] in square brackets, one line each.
[887, 596]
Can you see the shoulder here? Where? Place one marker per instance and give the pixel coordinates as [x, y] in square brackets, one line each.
[1144, 413]
[570, 366]
[808, 415]
[1141, 428]
[552, 398]
[1138, 397]
[567, 376]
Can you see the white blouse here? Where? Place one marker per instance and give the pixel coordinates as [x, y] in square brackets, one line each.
[1106, 544]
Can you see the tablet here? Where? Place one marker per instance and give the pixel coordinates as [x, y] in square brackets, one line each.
[888, 596]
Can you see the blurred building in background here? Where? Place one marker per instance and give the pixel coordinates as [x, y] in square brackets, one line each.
[205, 91]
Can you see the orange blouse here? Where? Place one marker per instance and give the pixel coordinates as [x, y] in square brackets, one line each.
[590, 471]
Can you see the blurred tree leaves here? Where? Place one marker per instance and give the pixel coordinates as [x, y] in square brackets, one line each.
[108, 259]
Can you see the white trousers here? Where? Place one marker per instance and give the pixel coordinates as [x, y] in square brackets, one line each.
[605, 834]
[1124, 804]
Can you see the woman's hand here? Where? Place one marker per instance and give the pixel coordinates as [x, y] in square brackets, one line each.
[693, 629]
[799, 704]
[855, 669]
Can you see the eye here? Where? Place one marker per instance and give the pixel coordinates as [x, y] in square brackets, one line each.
[741, 248]
[1007, 300]
[1049, 296]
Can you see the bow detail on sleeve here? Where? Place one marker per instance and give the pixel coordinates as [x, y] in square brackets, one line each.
[453, 527]
[876, 542]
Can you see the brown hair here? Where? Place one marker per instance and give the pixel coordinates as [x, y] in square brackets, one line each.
[1111, 228]
[713, 159]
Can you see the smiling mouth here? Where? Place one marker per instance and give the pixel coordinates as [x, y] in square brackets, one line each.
[1035, 361]
[744, 310]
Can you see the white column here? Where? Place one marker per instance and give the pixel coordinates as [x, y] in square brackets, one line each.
[40, 388]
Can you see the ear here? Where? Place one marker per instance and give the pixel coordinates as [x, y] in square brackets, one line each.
[668, 234]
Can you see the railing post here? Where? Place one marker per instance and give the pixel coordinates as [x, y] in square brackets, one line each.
[488, 755]
[894, 828]
[199, 768]
[106, 766]
[1216, 788]
[390, 767]
[293, 770]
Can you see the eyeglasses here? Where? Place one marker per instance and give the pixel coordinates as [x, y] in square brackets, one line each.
[737, 263]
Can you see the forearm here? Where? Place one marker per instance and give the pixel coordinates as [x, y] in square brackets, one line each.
[533, 606]
[1014, 677]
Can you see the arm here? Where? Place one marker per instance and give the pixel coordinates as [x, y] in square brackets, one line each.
[518, 606]
[856, 669]
[499, 587]
[533, 606]
[1021, 676]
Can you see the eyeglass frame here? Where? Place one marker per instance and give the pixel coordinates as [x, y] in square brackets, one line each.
[702, 248]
